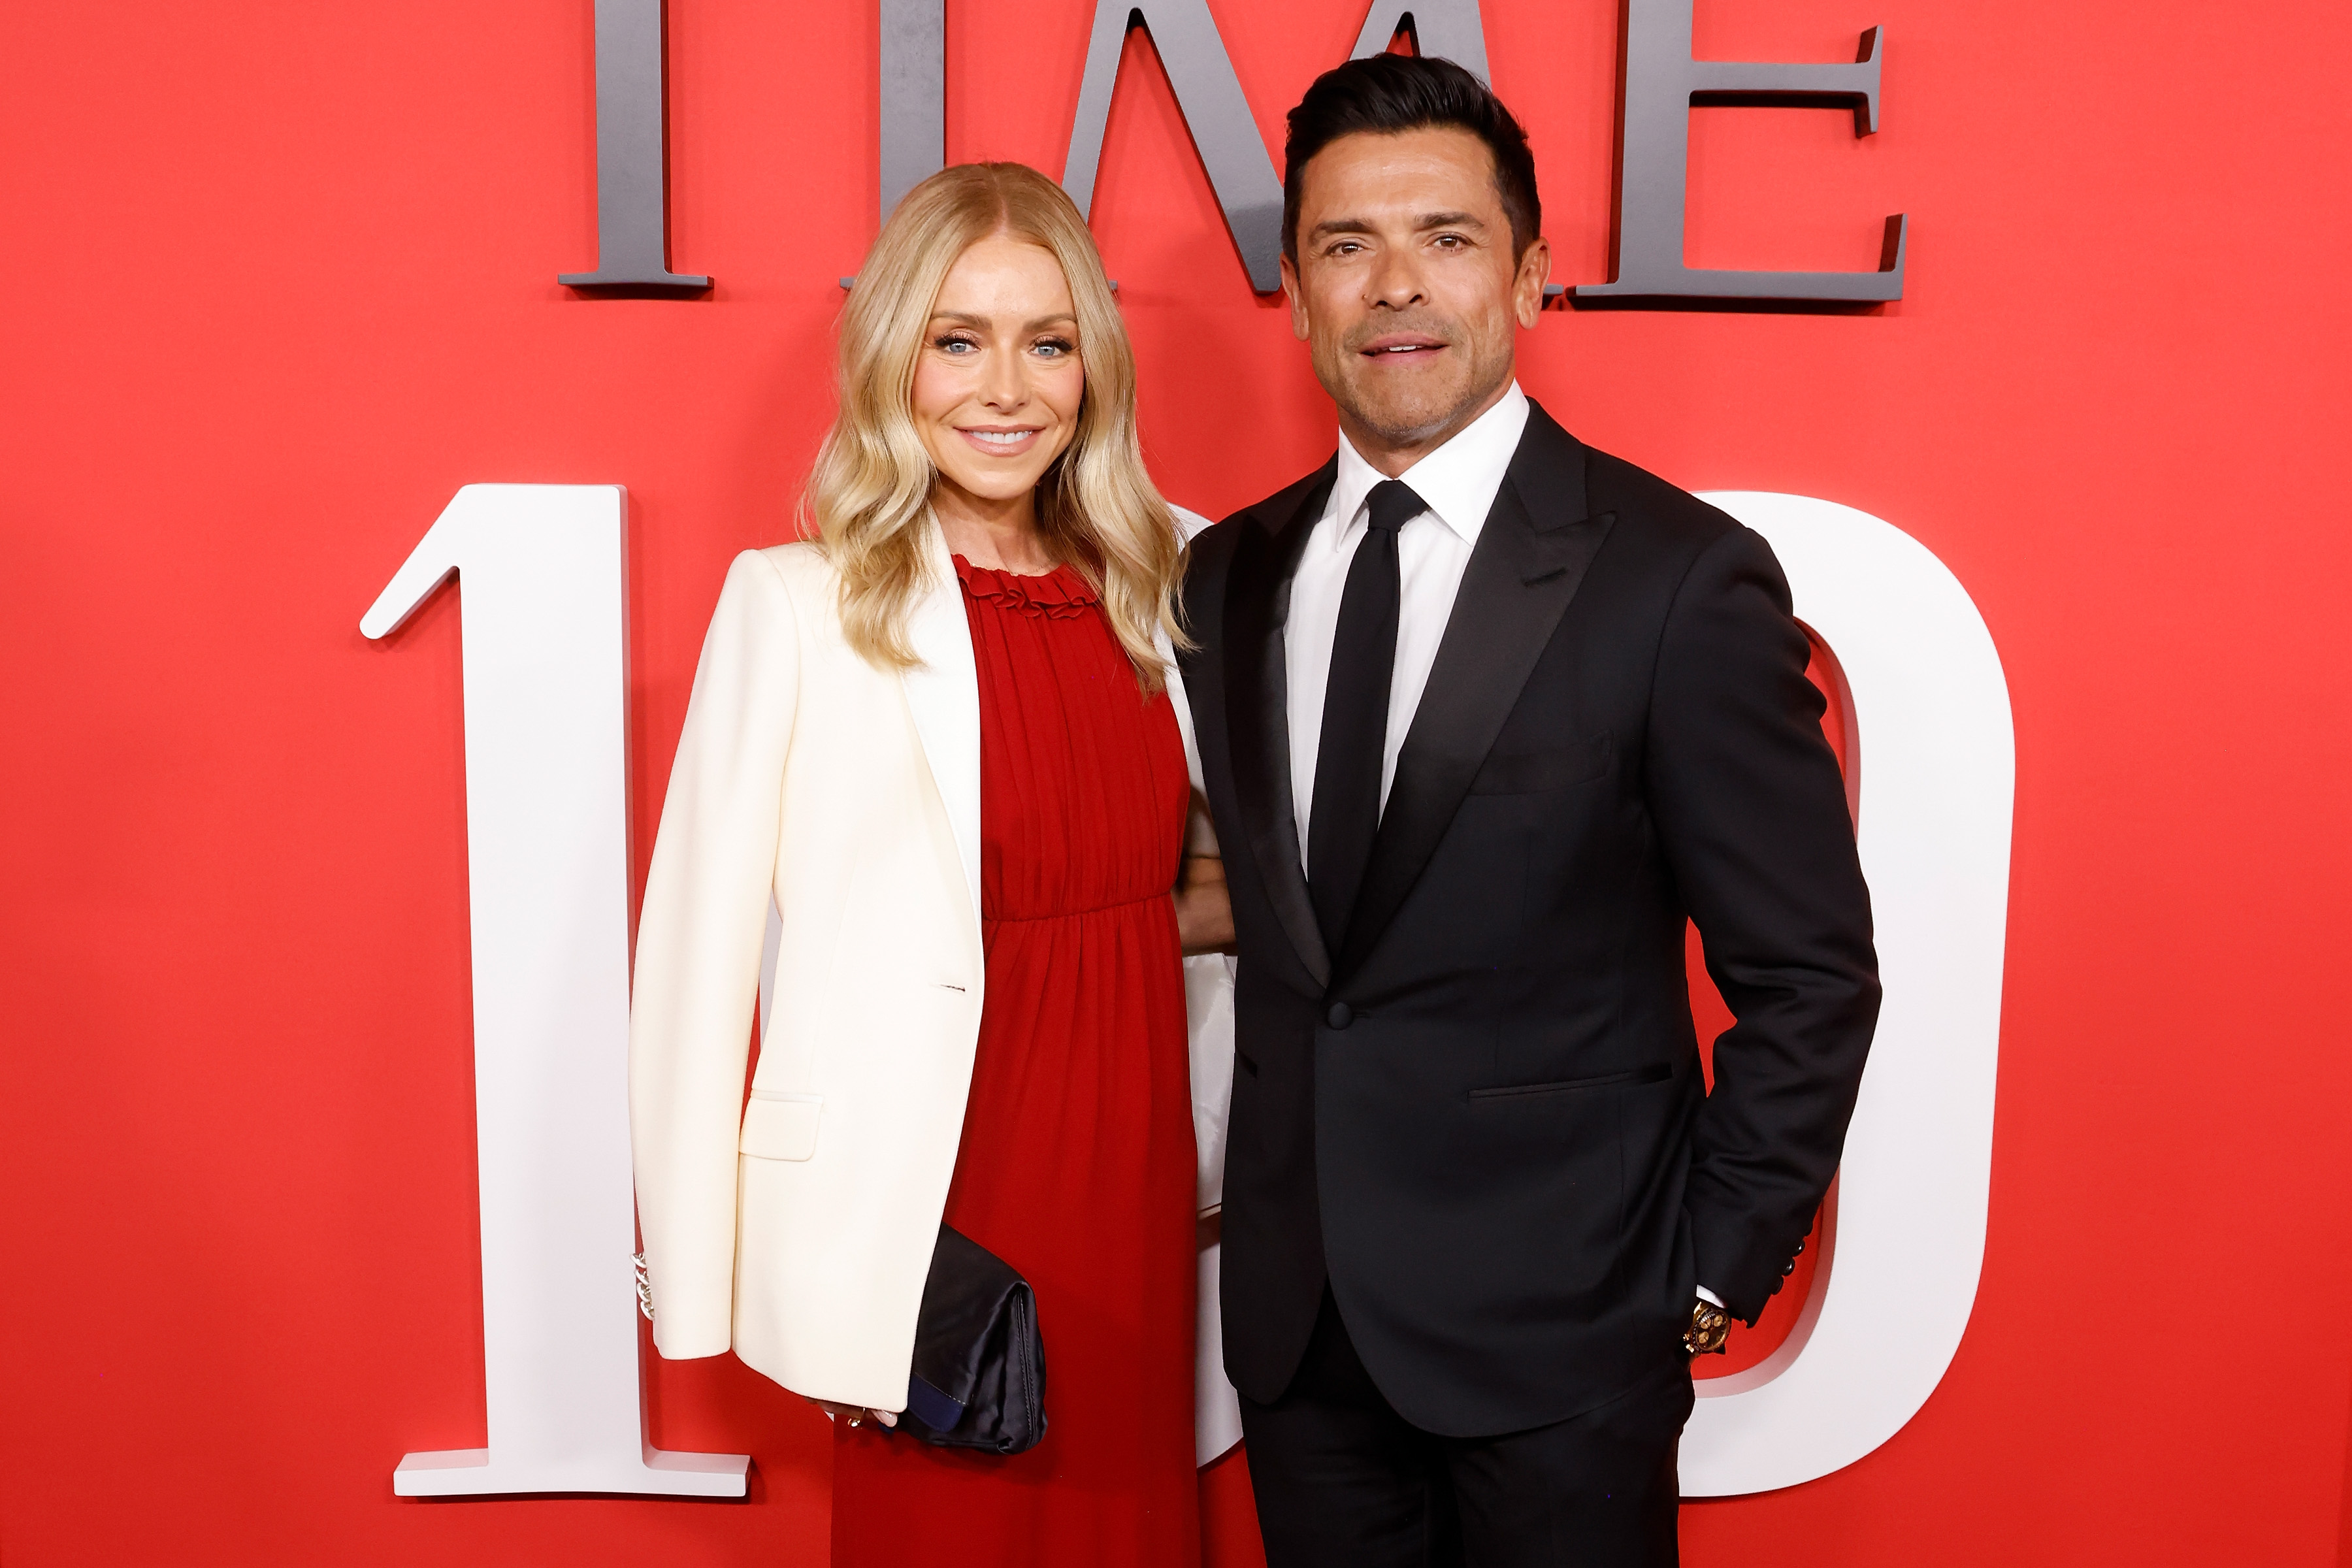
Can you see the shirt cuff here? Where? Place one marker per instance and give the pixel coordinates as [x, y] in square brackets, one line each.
[1709, 1297]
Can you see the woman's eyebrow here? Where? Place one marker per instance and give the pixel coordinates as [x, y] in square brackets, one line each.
[967, 319]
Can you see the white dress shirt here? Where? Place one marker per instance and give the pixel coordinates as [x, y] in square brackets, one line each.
[1457, 483]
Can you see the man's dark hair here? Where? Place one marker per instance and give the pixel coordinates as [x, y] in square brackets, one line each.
[1384, 94]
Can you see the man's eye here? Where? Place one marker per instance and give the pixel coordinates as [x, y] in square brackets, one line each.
[1452, 241]
[1345, 247]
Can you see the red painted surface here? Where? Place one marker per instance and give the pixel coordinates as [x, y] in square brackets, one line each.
[279, 279]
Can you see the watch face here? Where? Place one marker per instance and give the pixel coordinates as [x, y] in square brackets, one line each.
[1710, 1326]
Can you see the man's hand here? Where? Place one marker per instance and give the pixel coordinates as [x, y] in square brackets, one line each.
[1204, 912]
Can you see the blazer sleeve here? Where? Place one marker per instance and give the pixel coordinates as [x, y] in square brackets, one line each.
[1209, 976]
[698, 960]
[1753, 821]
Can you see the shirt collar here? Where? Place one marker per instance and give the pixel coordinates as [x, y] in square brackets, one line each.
[1457, 482]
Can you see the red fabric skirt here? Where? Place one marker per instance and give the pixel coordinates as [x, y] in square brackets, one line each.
[1076, 1164]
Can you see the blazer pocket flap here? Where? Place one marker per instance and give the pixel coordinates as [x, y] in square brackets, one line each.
[781, 1126]
[1530, 773]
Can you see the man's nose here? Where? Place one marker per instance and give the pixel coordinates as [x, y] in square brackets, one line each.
[1396, 280]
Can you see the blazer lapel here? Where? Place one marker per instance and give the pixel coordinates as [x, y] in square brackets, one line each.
[1531, 558]
[944, 696]
[1191, 524]
[1257, 709]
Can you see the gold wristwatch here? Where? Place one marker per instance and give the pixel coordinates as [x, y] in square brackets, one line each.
[1710, 1325]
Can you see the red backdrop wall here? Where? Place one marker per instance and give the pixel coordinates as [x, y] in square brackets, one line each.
[279, 277]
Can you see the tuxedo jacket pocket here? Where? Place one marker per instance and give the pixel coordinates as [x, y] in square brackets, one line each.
[1656, 1073]
[778, 1126]
[1532, 772]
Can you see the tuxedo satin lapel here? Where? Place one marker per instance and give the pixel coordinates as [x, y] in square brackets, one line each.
[1258, 713]
[943, 695]
[1530, 559]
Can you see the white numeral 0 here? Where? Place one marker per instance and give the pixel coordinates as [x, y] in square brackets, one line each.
[1930, 734]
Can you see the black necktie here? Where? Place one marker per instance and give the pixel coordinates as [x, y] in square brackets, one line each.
[1345, 813]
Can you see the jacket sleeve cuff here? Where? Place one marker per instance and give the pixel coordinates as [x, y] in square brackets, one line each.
[691, 1338]
[693, 1304]
[1739, 1265]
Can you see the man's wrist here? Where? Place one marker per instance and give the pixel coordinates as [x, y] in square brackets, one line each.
[1710, 1325]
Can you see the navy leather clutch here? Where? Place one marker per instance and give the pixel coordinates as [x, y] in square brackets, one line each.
[979, 1375]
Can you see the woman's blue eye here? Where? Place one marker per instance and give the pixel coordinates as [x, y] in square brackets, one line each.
[950, 345]
[1054, 347]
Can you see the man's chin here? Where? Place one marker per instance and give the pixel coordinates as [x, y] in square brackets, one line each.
[1399, 423]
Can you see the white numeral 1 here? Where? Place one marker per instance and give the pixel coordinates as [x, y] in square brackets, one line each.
[547, 867]
[1929, 733]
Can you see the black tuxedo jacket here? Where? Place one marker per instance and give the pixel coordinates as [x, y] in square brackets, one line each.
[1485, 1122]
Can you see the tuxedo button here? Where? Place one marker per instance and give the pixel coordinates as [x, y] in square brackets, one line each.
[1788, 1268]
[1339, 1016]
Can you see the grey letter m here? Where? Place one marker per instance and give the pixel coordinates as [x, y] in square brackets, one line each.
[1210, 96]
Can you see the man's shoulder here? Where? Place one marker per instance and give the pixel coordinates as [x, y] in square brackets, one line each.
[1212, 547]
[1665, 515]
[1562, 479]
[1274, 510]
[1662, 535]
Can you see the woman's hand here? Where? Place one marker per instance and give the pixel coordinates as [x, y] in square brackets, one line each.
[853, 1413]
[1204, 911]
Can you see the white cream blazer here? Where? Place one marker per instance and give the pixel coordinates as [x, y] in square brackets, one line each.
[833, 809]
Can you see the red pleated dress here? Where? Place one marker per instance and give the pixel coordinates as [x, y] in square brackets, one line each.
[1076, 1164]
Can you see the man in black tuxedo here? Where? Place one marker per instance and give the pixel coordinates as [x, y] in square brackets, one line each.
[1485, 716]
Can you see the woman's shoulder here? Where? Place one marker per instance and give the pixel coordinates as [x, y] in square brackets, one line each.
[778, 587]
[798, 574]
[799, 564]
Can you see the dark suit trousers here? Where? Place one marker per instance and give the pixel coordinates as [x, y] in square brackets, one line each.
[1343, 1481]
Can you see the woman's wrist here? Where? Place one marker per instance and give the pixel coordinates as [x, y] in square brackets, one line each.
[856, 1414]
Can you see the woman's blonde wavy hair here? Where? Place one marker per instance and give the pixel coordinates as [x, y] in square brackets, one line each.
[869, 494]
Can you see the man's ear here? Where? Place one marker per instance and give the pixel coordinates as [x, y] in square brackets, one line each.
[1297, 299]
[1528, 287]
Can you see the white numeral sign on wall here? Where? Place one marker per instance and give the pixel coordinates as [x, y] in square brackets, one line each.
[547, 868]
[547, 858]
[1930, 736]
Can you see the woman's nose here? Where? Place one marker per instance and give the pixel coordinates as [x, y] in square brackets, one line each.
[1004, 382]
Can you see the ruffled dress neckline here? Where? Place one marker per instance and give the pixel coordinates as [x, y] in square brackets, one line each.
[1056, 595]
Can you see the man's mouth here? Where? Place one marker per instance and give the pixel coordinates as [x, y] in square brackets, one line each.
[1402, 348]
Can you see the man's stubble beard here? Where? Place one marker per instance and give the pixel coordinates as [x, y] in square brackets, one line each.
[1401, 424]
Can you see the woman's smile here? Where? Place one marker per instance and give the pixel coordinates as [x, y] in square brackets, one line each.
[1001, 442]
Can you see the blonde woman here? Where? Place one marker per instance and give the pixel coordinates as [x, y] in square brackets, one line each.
[939, 742]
